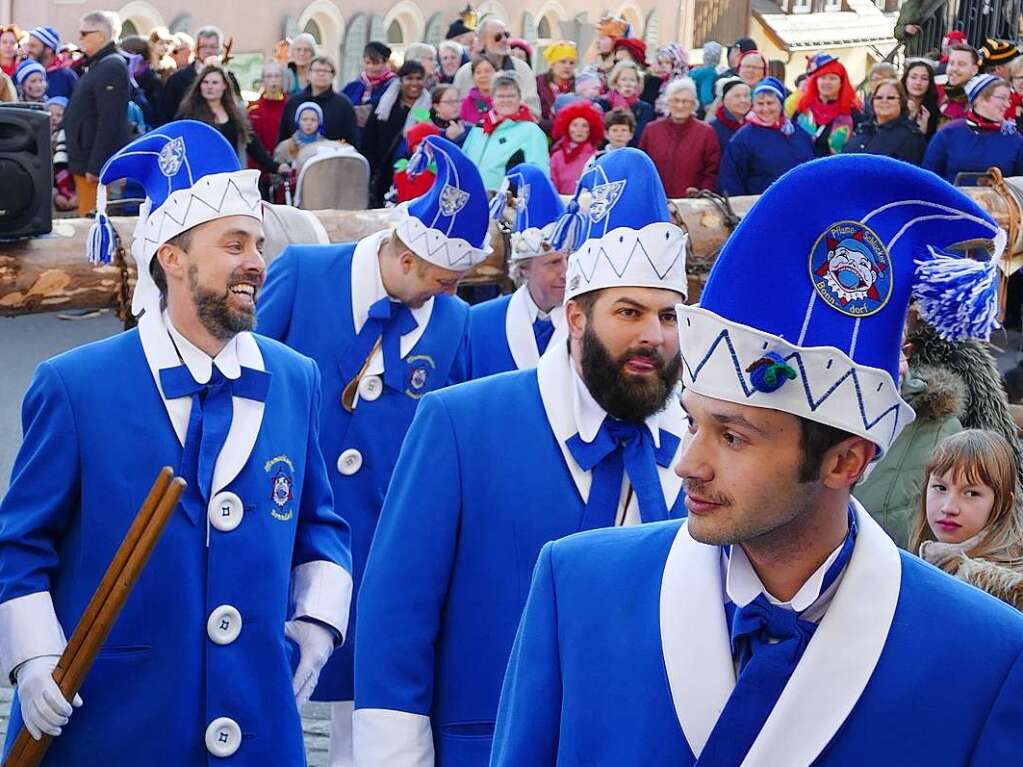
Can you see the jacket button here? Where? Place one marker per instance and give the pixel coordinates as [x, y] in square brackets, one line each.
[224, 624]
[226, 512]
[223, 736]
[349, 462]
[370, 388]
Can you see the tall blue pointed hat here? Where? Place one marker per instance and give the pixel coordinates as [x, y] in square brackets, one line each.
[191, 175]
[626, 237]
[537, 207]
[449, 226]
[804, 309]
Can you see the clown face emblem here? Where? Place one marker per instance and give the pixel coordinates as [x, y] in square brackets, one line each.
[850, 269]
[171, 157]
[281, 492]
[452, 200]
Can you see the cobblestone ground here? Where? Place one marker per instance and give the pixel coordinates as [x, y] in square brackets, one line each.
[315, 725]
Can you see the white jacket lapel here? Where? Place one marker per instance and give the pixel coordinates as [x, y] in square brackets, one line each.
[246, 421]
[840, 658]
[694, 637]
[518, 330]
[160, 354]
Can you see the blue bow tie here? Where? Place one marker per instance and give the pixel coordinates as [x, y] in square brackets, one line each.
[542, 332]
[621, 447]
[208, 424]
[388, 321]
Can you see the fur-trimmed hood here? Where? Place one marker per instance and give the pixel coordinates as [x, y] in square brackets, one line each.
[998, 580]
[934, 394]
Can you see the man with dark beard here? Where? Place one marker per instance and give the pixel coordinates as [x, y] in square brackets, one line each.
[779, 624]
[247, 593]
[493, 469]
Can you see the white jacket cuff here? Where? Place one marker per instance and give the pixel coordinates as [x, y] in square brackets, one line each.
[322, 590]
[28, 629]
[386, 738]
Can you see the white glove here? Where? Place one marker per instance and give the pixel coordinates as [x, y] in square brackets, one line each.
[316, 643]
[43, 707]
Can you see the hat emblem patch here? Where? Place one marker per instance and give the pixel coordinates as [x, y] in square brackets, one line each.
[171, 156]
[452, 200]
[522, 198]
[851, 270]
[605, 197]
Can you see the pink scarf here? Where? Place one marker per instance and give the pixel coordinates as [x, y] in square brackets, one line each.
[618, 101]
[372, 83]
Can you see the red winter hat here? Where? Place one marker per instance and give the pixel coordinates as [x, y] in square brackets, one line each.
[635, 47]
[418, 132]
[582, 108]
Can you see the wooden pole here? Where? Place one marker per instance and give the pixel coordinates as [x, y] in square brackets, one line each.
[105, 606]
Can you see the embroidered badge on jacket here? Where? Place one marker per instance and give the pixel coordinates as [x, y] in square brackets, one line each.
[850, 269]
[281, 471]
[420, 367]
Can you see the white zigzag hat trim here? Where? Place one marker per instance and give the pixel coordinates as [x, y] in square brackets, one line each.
[829, 387]
[439, 249]
[653, 257]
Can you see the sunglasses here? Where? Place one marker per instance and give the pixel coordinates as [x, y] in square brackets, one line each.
[502, 36]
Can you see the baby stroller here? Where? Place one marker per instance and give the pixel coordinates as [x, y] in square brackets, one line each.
[333, 179]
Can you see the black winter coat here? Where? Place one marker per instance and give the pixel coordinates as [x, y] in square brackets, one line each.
[338, 115]
[96, 121]
[899, 138]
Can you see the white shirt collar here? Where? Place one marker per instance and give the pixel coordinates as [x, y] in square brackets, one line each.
[589, 415]
[534, 311]
[368, 285]
[743, 585]
[198, 362]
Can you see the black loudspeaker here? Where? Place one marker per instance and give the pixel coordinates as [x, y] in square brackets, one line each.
[26, 171]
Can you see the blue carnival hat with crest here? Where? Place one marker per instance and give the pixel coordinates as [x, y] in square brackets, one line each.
[538, 207]
[449, 226]
[626, 236]
[191, 175]
[804, 309]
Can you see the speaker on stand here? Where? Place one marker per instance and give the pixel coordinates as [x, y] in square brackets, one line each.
[26, 170]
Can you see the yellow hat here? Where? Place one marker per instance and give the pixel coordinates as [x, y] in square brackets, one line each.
[560, 49]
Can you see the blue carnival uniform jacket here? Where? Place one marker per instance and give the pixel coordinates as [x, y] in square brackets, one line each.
[501, 335]
[958, 148]
[756, 157]
[307, 304]
[482, 483]
[96, 432]
[623, 658]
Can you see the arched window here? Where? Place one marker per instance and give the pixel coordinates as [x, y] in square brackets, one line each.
[128, 29]
[543, 28]
[395, 34]
[314, 29]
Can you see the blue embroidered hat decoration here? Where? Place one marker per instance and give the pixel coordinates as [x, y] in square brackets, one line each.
[625, 237]
[191, 175]
[449, 226]
[537, 208]
[804, 308]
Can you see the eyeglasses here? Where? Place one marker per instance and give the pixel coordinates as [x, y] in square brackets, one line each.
[501, 36]
[886, 98]
[448, 101]
[321, 71]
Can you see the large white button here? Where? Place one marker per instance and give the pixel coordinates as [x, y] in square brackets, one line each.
[349, 462]
[223, 736]
[226, 511]
[224, 624]
[370, 388]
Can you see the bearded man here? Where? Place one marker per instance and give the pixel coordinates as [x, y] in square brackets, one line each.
[247, 593]
[493, 469]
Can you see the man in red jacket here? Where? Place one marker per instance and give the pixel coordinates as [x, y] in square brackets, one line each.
[685, 151]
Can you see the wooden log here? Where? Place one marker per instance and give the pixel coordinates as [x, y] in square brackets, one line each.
[105, 606]
[51, 273]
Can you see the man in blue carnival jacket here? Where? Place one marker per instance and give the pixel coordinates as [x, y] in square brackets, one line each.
[375, 318]
[512, 332]
[253, 566]
[779, 625]
[592, 433]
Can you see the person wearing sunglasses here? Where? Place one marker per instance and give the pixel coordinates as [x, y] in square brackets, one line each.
[494, 43]
[890, 131]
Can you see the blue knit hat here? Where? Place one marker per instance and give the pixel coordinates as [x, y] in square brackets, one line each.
[976, 85]
[48, 36]
[449, 226]
[309, 106]
[805, 306]
[626, 237]
[27, 68]
[770, 85]
[538, 207]
[191, 175]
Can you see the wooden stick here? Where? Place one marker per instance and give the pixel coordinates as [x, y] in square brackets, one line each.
[105, 606]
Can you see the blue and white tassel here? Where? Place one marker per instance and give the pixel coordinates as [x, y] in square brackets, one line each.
[957, 296]
[569, 228]
[100, 245]
[500, 201]
[419, 161]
